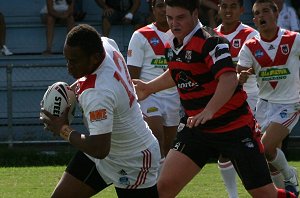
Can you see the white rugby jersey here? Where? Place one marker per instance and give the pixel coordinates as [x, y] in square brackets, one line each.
[276, 64]
[237, 38]
[147, 50]
[109, 104]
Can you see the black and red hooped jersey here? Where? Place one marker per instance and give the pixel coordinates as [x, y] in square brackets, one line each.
[195, 70]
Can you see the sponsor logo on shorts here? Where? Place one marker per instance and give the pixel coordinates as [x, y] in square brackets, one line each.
[248, 143]
[124, 180]
[152, 109]
[122, 172]
[283, 114]
[98, 115]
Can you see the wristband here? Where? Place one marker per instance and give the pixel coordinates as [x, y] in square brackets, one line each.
[129, 16]
[65, 132]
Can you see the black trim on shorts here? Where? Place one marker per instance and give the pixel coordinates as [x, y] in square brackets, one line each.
[138, 193]
[84, 169]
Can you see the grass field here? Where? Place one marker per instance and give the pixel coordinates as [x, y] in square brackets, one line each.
[34, 173]
[39, 181]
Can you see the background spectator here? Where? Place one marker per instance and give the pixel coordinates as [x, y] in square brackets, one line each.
[60, 11]
[287, 17]
[78, 14]
[4, 50]
[119, 12]
[296, 6]
[209, 12]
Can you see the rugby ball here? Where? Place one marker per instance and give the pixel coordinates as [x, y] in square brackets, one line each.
[57, 98]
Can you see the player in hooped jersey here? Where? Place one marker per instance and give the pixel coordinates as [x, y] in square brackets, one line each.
[273, 56]
[236, 33]
[120, 148]
[146, 60]
[217, 118]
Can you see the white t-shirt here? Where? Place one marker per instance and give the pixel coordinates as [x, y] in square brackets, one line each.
[237, 38]
[288, 19]
[58, 5]
[109, 104]
[276, 65]
[146, 50]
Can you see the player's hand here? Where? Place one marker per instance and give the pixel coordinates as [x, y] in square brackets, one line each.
[244, 75]
[200, 118]
[141, 89]
[54, 123]
[108, 12]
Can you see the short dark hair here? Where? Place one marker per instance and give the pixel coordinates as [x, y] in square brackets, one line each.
[241, 2]
[86, 38]
[190, 5]
[272, 4]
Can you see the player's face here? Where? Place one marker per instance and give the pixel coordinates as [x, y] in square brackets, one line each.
[230, 11]
[181, 21]
[78, 63]
[265, 19]
[159, 11]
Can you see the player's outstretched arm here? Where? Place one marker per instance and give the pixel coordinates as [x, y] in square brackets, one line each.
[162, 82]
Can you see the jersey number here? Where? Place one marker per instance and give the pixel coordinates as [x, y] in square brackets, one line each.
[118, 59]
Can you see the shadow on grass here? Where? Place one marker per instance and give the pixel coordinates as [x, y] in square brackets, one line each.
[35, 155]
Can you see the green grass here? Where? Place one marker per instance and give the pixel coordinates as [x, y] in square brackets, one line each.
[39, 182]
[34, 171]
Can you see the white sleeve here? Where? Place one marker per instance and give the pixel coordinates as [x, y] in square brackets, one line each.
[98, 106]
[136, 50]
[245, 57]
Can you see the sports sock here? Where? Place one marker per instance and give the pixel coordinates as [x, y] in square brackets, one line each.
[277, 179]
[228, 174]
[285, 194]
[281, 164]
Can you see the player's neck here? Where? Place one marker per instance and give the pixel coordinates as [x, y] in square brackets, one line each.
[228, 28]
[269, 35]
[163, 27]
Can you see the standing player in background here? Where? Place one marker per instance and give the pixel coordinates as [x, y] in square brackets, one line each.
[217, 119]
[119, 148]
[236, 33]
[273, 56]
[146, 60]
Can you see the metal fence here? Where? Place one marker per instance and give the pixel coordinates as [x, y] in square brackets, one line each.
[21, 90]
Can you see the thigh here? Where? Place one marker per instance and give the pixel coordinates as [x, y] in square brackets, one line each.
[246, 154]
[177, 171]
[84, 170]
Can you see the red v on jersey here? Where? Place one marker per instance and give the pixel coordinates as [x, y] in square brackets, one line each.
[154, 40]
[282, 53]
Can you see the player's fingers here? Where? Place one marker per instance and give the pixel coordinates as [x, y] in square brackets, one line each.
[46, 113]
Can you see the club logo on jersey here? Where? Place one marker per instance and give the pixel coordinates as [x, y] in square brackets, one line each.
[258, 53]
[188, 56]
[236, 43]
[285, 49]
[185, 82]
[98, 115]
[170, 54]
[154, 41]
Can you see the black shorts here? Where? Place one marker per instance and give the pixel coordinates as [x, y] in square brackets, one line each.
[84, 169]
[242, 146]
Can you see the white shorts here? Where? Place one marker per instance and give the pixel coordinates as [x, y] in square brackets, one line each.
[252, 101]
[166, 106]
[135, 171]
[285, 114]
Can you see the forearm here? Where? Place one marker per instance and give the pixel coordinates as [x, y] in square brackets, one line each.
[162, 82]
[84, 142]
[102, 4]
[135, 6]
